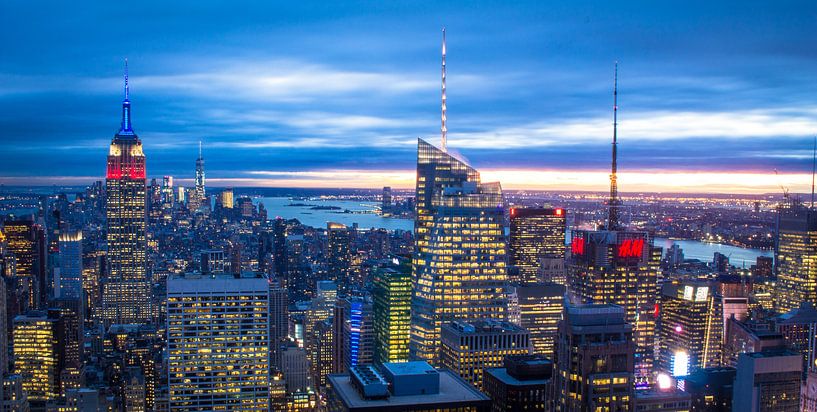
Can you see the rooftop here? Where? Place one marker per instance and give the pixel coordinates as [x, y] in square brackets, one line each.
[408, 368]
[453, 390]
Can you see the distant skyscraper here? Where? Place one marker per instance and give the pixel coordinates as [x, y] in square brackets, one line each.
[536, 234]
[795, 254]
[70, 273]
[26, 242]
[218, 361]
[279, 317]
[226, 198]
[540, 310]
[385, 201]
[691, 329]
[392, 313]
[126, 290]
[470, 347]
[339, 256]
[594, 356]
[459, 263]
[198, 196]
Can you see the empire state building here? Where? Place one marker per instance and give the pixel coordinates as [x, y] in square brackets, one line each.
[126, 290]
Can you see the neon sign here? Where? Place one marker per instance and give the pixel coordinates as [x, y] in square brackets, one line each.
[577, 246]
[631, 248]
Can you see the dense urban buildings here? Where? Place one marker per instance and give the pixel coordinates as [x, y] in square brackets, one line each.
[690, 333]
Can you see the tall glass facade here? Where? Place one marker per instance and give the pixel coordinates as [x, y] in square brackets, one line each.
[796, 257]
[459, 266]
[392, 313]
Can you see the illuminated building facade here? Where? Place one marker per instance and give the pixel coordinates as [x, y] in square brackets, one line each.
[595, 359]
[126, 290]
[70, 278]
[540, 310]
[536, 234]
[525, 383]
[38, 355]
[218, 343]
[339, 255]
[225, 198]
[392, 313]
[619, 267]
[26, 242]
[691, 329]
[459, 266]
[470, 347]
[358, 331]
[796, 257]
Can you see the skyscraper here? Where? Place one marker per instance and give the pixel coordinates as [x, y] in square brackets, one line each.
[392, 313]
[795, 257]
[620, 267]
[339, 255]
[126, 290]
[26, 242]
[594, 357]
[536, 234]
[540, 310]
[38, 355]
[459, 264]
[768, 381]
[70, 273]
[218, 342]
[691, 330]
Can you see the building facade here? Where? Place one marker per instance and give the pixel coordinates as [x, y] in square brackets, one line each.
[536, 234]
[392, 313]
[218, 343]
[459, 266]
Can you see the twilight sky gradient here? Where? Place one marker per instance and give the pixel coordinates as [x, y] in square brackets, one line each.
[714, 96]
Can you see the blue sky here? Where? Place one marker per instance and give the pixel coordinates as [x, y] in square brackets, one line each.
[336, 93]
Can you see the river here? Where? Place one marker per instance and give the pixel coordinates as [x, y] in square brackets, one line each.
[364, 216]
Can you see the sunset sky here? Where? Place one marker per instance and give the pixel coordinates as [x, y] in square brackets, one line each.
[713, 96]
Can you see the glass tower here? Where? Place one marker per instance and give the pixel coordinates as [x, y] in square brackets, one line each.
[126, 291]
[459, 265]
[536, 234]
[796, 257]
[392, 313]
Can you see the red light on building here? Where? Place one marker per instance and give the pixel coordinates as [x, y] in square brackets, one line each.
[631, 248]
[513, 211]
[656, 311]
[559, 212]
[577, 246]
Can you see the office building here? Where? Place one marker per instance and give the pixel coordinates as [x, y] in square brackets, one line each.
[385, 200]
[595, 357]
[212, 262]
[339, 255]
[795, 250]
[391, 308]
[225, 198]
[357, 339]
[664, 400]
[218, 342]
[540, 310]
[39, 358]
[525, 383]
[126, 290]
[470, 347]
[768, 381]
[69, 282]
[459, 263]
[619, 267]
[799, 329]
[279, 318]
[690, 334]
[745, 338]
[536, 234]
[295, 368]
[14, 397]
[403, 387]
[25, 241]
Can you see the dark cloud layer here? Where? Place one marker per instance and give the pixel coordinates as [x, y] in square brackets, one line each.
[298, 86]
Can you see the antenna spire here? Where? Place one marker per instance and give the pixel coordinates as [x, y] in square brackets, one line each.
[443, 127]
[126, 128]
[612, 221]
[813, 169]
[200, 149]
[127, 89]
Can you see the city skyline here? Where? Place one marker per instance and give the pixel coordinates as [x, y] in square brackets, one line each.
[705, 106]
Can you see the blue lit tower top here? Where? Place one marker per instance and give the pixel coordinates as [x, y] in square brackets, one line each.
[126, 129]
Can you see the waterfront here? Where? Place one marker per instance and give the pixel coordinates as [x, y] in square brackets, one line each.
[362, 213]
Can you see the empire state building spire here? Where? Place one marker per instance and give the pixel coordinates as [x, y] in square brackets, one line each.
[126, 128]
[613, 218]
[443, 127]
